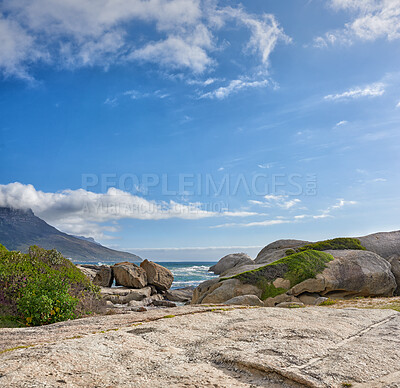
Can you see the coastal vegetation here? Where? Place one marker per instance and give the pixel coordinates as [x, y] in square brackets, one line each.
[43, 287]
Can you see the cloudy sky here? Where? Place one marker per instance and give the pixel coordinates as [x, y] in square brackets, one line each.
[187, 129]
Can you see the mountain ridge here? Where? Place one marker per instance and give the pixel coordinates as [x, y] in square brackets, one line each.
[20, 229]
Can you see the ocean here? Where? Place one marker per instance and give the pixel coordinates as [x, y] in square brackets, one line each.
[186, 274]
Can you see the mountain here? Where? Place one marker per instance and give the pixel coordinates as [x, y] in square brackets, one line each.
[91, 239]
[19, 229]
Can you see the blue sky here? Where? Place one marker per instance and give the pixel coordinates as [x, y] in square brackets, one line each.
[188, 129]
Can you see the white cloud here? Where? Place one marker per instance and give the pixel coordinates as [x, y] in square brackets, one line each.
[176, 52]
[341, 123]
[251, 224]
[265, 31]
[272, 200]
[81, 211]
[265, 165]
[373, 90]
[371, 20]
[71, 33]
[234, 86]
[16, 47]
[327, 212]
[398, 105]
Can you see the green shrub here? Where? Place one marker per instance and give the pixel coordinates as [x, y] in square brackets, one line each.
[334, 244]
[3, 250]
[46, 300]
[328, 302]
[43, 287]
[296, 268]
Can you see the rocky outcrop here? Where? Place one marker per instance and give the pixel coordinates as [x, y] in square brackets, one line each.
[157, 275]
[104, 276]
[304, 277]
[192, 347]
[230, 261]
[277, 249]
[129, 275]
[385, 244]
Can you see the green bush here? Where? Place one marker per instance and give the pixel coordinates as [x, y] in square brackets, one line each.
[43, 287]
[46, 300]
[334, 244]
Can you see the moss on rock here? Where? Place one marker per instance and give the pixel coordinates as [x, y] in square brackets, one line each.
[334, 244]
[296, 268]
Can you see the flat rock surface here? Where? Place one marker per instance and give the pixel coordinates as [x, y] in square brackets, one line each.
[200, 346]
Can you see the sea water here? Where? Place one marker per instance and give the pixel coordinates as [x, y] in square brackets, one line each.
[186, 273]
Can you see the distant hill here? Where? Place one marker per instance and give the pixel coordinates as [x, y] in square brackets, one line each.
[19, 229]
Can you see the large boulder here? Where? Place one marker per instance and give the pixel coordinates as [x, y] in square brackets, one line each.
[104, 276]
[385, 244]
[129, 275]
[215, 291]
[157, 275]
[395, 263]
[90, 273]
[231, 261]
[269, 253]
[352, 273]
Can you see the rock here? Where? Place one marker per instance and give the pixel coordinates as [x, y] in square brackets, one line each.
[157, 275]
[309, 299]
[163, 303]
[282, 298]
[180, 295]
[202, 290]
[239, 269]
[228, 289]
[290, 304]
[281, 245]
[129, 275]
[281, 283]
[241, 348]
[247, 300]
[385, 244]
[149, 301]
[313, 285]
[90, 273]
[135, 303]
[104, 276]
[124, 295]
[138, 309]
[271, 256]
[231, 261]
[352, 273]
[395, 263]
